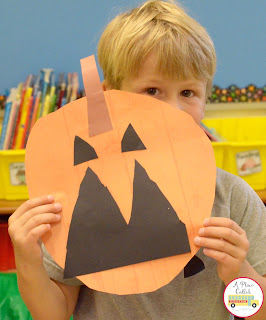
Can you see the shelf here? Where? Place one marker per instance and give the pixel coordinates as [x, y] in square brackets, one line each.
[235, 110]
[262, 195]
[9, 206]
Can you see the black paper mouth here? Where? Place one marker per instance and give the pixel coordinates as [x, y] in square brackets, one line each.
[100, 239]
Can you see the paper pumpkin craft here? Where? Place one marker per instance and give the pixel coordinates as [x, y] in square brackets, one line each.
[136, 178]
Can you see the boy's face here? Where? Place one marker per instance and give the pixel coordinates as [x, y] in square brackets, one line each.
[186, 95]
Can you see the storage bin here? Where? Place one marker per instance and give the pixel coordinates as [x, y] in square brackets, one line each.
[12, 306]
[7, 259]
[12, 175]
[244, 152]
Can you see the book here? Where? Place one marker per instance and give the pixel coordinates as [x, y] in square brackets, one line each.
[9, 102]
[36, 93]
[11, 122]
[75, 87]
[14, 127]
[35, 109]
[61, 94]
[27, 123]
[53, 102]
[64, 99]
[58, 91]
[52, 94]
[69, 87]
[23, 118]
[46, 72]
[18, 115]
[46, 105]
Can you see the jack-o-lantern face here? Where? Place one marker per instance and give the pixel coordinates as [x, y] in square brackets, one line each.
[133, 197]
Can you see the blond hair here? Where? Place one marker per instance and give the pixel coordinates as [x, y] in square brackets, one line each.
[183, 47]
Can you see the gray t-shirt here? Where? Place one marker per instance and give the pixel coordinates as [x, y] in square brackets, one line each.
[197, 297]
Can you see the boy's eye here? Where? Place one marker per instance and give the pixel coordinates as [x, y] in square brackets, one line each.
[187, 93]
[152, 91]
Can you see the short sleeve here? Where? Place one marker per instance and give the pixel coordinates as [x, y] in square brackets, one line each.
[249, 212]
[55, 272]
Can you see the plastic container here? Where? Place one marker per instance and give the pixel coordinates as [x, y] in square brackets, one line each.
[244, 152]
[12, 306]
[12, 175]
[7, 260]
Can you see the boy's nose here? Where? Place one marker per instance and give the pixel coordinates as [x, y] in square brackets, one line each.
[174, 103]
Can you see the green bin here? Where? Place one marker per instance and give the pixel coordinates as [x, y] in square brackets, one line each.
[12, 306]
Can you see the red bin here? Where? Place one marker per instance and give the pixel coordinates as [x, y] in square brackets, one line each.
[7, 259]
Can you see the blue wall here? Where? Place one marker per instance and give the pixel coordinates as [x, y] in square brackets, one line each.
[58, 33]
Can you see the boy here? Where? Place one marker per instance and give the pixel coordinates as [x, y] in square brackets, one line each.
[154, 50]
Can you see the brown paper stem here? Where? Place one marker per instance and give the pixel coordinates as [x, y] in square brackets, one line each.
[98, 115]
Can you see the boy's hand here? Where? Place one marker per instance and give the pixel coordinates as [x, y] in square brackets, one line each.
[28, 224]
[226, 242]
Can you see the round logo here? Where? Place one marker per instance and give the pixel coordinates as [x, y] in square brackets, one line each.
[243, 297]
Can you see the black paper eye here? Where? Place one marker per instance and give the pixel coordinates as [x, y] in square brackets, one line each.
[131, 141]
[83, 151]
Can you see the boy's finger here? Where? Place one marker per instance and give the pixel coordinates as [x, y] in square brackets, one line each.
[39, 231]
[221, 246]
[220, 256]
[225, 233]
[223, 222]
[30, 204]
[41, 219]
[48, 208]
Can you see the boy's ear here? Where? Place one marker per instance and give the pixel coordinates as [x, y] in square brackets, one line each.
[105, 85]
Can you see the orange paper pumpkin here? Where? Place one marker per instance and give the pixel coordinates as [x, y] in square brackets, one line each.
[134, 194]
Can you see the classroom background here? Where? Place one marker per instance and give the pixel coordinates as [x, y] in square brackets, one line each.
[57, 34]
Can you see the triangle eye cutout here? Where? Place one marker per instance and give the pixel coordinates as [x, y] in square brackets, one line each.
[131, 141]
[83, 151]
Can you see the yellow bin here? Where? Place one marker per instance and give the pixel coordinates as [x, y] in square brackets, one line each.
[12, 175]
[244, 152]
